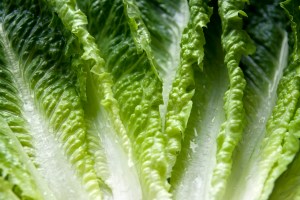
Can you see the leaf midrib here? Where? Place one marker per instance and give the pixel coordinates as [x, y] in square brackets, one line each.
[48, 150]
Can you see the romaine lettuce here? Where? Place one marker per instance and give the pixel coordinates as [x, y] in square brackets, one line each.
[140, 99]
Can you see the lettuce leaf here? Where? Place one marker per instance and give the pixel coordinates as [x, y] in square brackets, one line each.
[17, 175]
[34, 51]
[139, 99]
[286, 186]
[235, 42]
[134, 77]
[268, 146]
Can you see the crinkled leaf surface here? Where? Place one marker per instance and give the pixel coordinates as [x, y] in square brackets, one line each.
[42, 91]
[140, 99]
[267, 146]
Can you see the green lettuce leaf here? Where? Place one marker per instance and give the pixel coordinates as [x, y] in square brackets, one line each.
[11, 104]
[140, 99]
[203, 169]
[268, 145]
[17, 174]
[194, 166]
[180, 104]
[35, 51]
[287, 186]
[129, 82]
[236, 43]
[140, 112]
